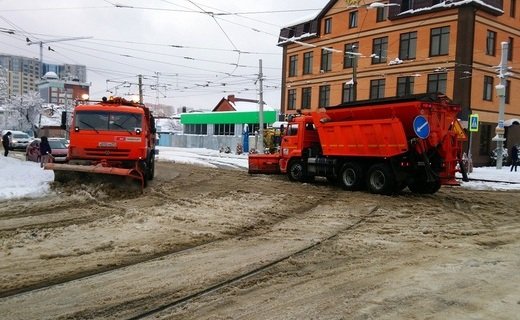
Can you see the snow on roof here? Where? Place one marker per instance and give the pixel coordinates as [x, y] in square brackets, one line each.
[248, 106]
[304, 19]
[450, 4]
[296, 39]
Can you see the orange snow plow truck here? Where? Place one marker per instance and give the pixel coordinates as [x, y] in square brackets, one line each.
[384, 145]
[114, 137]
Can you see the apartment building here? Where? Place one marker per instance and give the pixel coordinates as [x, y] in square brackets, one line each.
[368, 50]
[22, 74]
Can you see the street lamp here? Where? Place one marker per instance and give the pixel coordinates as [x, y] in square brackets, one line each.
[501, 92]
[41, 42]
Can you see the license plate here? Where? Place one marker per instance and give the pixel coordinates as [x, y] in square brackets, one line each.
[107, 144]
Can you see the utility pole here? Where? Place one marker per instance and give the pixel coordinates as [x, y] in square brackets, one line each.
[141, 100]
[261, 106]
[41, 42]
[157, 88]
[501, 92]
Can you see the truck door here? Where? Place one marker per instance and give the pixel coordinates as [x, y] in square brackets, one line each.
[290, 141]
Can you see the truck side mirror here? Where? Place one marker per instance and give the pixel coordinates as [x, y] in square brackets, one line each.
[63, 120]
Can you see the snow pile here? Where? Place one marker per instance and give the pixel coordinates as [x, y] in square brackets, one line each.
[23, 178]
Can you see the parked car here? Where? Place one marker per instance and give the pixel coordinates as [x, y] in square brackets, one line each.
[58, 147]
[19, 139]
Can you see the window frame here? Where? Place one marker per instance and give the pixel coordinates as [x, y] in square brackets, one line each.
[487, 91]
[348, 61]
[491, 43]
[293, 65]
[408, 45]
[377, 89]
[306, 97]
[347, 93]
[327, 26]
[380, 49]
[326, 60]
[307, 62]
[324, 96]
[405, 86]
[291, 99]
[353, 17]
[440, 41]
[437, 81]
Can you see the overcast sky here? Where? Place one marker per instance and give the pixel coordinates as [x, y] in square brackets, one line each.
[193, 53]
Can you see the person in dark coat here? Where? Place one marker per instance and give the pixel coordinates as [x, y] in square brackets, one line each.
[45, 151]
[514, 157]
[5, 142]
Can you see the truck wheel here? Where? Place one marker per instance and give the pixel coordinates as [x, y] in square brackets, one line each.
[296, 171]
[380, 179]
[351, 176]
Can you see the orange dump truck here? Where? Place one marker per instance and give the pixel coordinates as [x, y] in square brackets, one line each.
[115, 137]
[384, 145]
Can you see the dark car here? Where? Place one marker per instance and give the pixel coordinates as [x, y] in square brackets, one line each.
[58, 147]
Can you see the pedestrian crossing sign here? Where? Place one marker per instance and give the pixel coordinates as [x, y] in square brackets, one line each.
[473, 122]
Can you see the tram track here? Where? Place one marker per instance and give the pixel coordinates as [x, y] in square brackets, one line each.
[105, 284]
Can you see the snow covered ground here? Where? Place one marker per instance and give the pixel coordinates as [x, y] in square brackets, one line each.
[21, 178]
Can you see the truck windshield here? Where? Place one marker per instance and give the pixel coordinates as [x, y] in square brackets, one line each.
[107, 121]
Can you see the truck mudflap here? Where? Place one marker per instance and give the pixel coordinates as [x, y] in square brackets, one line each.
[264, 163]
[133, 173]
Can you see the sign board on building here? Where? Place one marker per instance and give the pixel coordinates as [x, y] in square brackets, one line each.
[473, 122]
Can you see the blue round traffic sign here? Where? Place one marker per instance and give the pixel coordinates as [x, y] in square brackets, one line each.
[421, 127]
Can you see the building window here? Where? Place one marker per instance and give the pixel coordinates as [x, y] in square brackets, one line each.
[377, 89]
[291, 99]
[381, 14]
[491, 42]
[293, 61]
[326, 59]
[485, 138]
[348, 59]
[405, 86]
[306, 98]
[379, 47]
[508, 91]
[407, 45]
[352, 19]
[512, 9]
[196, 129]
[348, 93]
[324, 96]
[437, 83]
[488, 88]
[226, 129]
[439, 41]
[510, 49]
[328, 26]
[307, 62]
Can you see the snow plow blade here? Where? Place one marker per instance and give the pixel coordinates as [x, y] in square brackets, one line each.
[132, 173]
[264, 163]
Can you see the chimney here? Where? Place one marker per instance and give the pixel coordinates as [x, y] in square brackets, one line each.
[231, 98]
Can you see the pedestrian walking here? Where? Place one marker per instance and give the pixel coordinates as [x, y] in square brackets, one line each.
[45, 151]
[514, 157]
[6, 142]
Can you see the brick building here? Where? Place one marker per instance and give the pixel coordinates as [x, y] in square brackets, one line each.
[352, 52]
